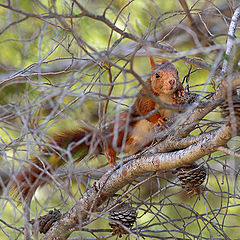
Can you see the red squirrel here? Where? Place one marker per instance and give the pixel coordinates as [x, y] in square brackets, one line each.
[163, 83]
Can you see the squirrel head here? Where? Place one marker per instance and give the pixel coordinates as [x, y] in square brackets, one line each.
[165, 77]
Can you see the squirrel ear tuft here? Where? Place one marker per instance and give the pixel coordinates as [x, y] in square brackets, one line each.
[164, 60]
[152, 63]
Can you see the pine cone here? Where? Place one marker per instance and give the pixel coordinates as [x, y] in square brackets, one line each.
[191, 178]
[45, 222]
[125, 215]
[231, 112]
[188, 98]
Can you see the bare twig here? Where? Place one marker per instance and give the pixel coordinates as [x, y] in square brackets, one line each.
[229, 152]
[201, 35]
[230, 40]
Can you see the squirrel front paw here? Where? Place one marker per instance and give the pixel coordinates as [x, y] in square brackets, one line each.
[179, 97]
[162, 122]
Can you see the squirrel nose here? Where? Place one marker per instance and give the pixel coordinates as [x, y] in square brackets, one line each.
[172, 81]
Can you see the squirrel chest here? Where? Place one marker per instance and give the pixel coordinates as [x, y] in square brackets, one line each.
[166, 112]
[139, 136]
[142, 132]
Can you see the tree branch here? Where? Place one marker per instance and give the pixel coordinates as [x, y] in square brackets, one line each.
[113, 181]
[230, 40]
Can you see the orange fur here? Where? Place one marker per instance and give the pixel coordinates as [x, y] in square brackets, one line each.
[28, 180]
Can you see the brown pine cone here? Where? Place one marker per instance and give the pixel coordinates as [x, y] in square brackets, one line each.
[191, 178]
[125, 215]
[230, 110]
[45, 222]
[188, 98]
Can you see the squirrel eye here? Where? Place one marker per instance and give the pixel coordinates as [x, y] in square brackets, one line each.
[157, 75]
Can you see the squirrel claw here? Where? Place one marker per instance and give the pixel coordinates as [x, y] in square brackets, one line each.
[162, 122]
[176, 95]
[181, 93]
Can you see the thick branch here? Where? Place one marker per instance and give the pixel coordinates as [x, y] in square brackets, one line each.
[111, 182]
[198, 113]
[230, 40]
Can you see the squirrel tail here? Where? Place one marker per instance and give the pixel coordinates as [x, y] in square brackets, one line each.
[29, 179]
[80, 143]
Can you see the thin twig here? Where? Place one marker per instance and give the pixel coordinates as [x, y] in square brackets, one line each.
[228, 151]
[230, 40]
[200, 34]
